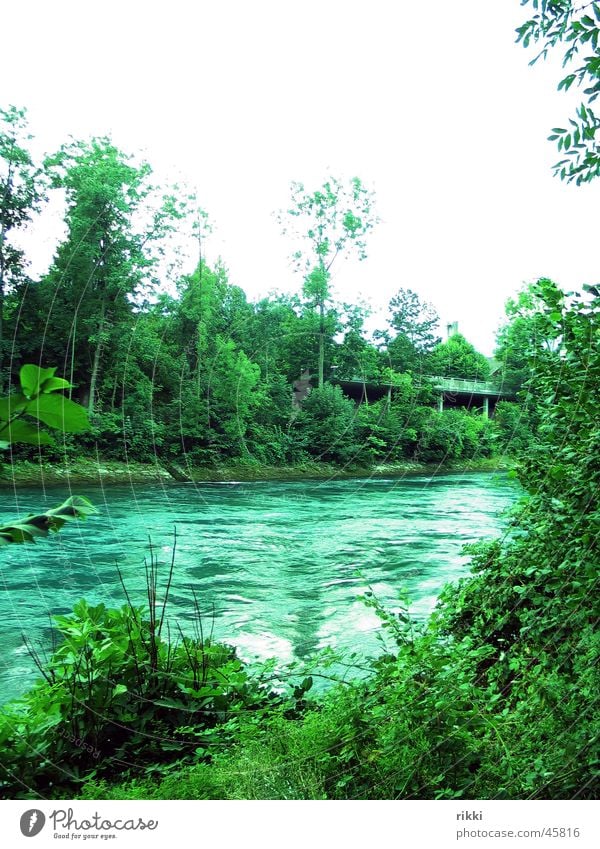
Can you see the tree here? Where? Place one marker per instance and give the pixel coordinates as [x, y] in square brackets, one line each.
[411, 336]
[325, 427]
[458, 358]
[230, 397]
[527, 337]
[115, 224]
[414, 319]
[334, 220]
[356, 357]
[21, 193]
[578, 26]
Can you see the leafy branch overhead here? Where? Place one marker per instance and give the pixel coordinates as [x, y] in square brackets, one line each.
[28, 529]
[40, 399]
[578, 27]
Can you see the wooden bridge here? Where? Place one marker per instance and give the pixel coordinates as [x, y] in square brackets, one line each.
[451, 392]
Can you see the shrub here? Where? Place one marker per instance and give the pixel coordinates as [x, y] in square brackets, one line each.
[325, 427]
[115, 692]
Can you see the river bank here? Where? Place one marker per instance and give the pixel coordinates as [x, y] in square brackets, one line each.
[85, 470]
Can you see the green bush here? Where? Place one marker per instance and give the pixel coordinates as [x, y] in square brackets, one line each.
[116, 692]
[454, 435]
[514, 427]
[325, 426]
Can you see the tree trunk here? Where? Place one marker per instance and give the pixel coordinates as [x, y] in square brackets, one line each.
[321, 342]
[3, 229]
[2, 274]
[73, 340]
[96, 364]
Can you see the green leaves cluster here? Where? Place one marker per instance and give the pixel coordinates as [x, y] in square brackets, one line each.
[332, 219]
[31, 527]
[578, 27]
[40, 400]
[458, 358]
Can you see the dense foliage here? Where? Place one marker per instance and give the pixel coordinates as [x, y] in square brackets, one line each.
[40, 402]
[116, 692]
[492, 698]
[495, 696]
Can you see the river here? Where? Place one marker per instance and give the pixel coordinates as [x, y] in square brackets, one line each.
[274, 564]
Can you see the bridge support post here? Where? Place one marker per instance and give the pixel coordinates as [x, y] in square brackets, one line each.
[486, 407]
[441, 402]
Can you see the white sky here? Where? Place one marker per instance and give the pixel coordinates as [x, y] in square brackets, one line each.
[431, 104]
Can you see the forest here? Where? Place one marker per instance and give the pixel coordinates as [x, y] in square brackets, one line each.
[183, 367]
[119, 352]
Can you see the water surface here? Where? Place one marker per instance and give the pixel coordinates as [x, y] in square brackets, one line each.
[273, 564]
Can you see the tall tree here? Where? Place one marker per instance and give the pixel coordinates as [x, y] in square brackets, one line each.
[21, 193]
[414, 318]
[331, 221]
[114, 222]
[527, 339]
[577, 25]
[458, 358]
[356, 356]
[411, 337]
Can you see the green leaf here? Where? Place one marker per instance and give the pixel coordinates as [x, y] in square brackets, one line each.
[32, 377]
[13, 534]
[75, 507]
[52, 384]
[21, 431]
[26, 530]
[59, 412]
[120, 688]
[12, 404]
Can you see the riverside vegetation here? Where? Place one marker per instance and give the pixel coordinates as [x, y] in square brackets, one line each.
[492, 698]
[495, 695]
[180, 369]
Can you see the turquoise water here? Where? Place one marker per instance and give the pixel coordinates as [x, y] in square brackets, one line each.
[273, 564]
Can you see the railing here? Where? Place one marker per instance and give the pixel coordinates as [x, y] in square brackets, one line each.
[469, 387]
[445, 384]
